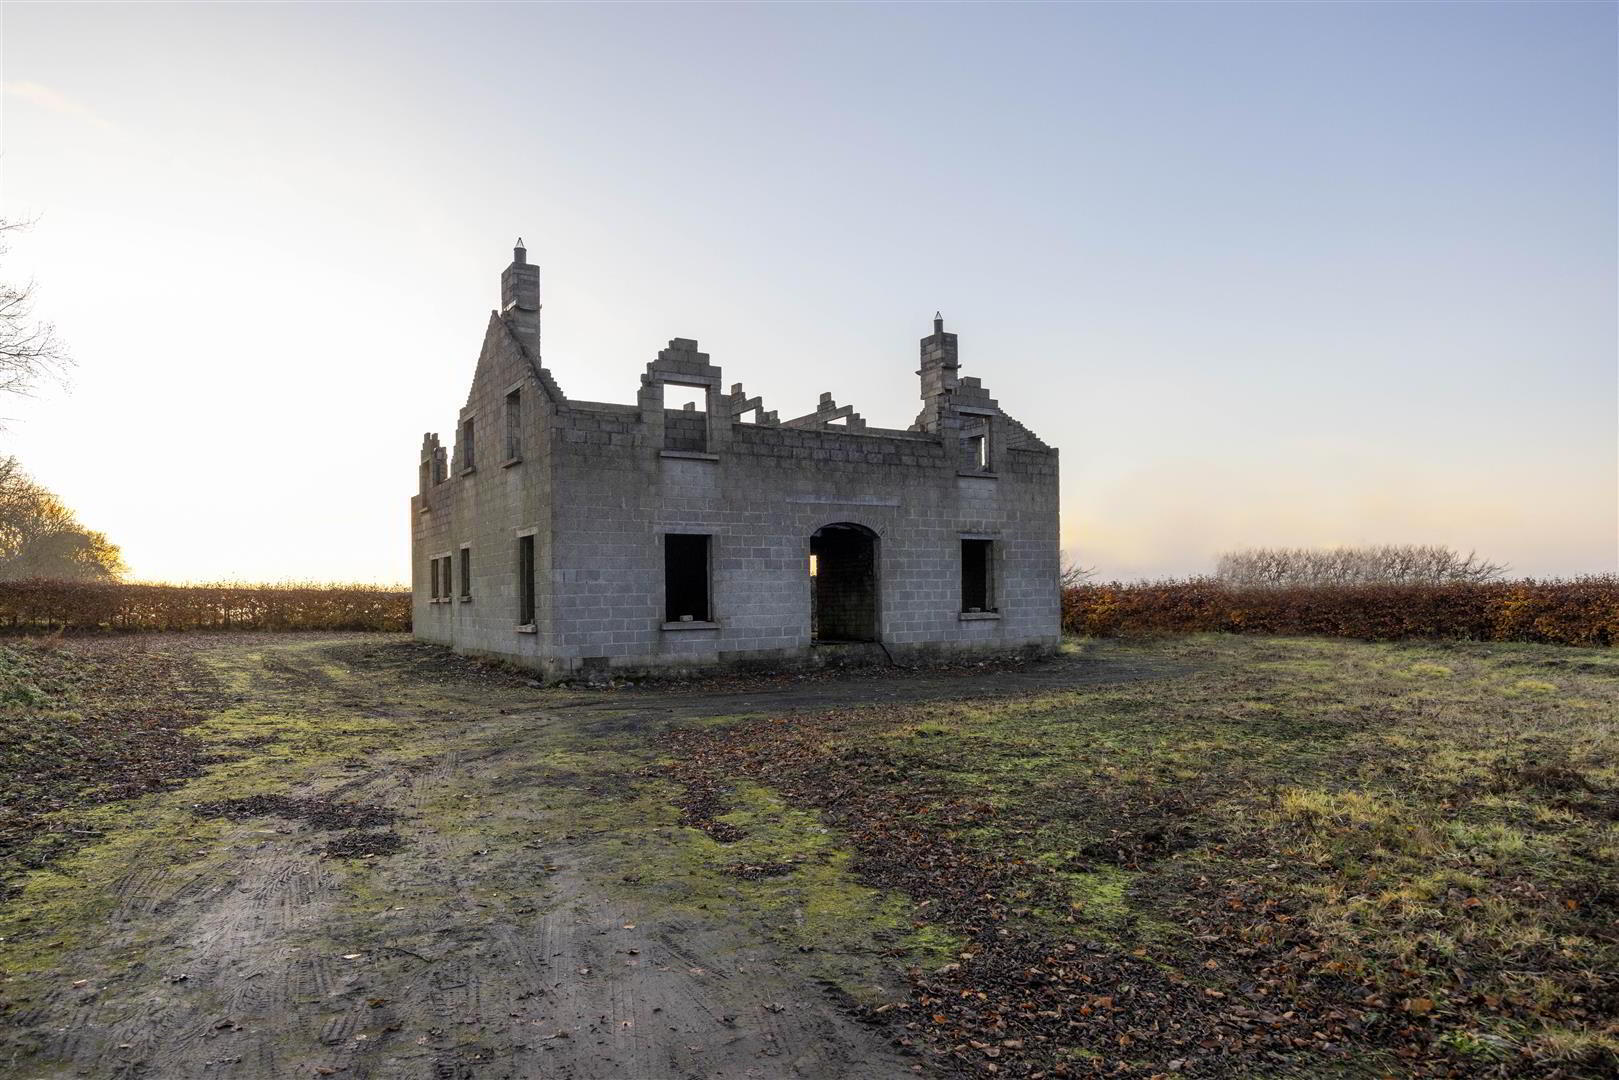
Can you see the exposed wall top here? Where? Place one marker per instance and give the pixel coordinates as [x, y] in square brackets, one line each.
[945, 395]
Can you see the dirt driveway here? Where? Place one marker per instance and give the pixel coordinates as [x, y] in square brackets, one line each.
[404, 865]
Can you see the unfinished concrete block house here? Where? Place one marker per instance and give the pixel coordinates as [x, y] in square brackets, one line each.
[574, 536]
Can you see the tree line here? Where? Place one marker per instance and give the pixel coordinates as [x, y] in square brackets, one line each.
[1375, 564]
[40, 537]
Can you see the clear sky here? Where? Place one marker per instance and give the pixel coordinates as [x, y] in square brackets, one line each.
[1267, 274]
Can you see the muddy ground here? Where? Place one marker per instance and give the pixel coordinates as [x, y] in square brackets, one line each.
[399, 864]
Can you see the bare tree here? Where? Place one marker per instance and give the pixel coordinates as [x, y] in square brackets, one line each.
[30, 351]
[1404, 564]
[1073, 575]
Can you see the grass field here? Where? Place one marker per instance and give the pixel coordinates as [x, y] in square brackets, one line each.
[1207, 856]
[1396, 856]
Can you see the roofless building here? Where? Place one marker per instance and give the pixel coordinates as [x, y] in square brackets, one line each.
[575, 536]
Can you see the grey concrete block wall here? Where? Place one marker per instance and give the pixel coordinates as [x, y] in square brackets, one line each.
[597, 486]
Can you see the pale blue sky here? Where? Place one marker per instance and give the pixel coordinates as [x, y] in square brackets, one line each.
[1266, 273]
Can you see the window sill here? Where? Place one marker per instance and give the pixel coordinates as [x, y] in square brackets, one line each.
[981, 475]
[509, 462]
[469, 470]
[466, 600]
[424, 509]
[524, 628]
[693, 625]
[973, 616]
[689, 455]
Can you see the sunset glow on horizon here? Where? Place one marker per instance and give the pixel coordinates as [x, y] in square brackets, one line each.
[1265, 274]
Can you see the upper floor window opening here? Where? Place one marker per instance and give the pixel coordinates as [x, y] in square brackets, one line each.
[685, 417]
[977, 442]
[514, 426]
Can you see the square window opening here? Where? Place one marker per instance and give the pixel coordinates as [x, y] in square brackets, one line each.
[685, 578]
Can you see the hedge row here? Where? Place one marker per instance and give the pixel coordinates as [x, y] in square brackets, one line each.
[1581, 611]
[34, 605]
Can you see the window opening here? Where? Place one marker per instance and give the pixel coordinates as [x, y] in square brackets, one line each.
[525, 581]
[976, 442]
[514, 425]
[977, 577]
[685, 417]
[685, 578]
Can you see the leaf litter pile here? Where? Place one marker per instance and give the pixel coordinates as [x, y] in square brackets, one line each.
[362, 845]
[360, 839]
[319, 813]
[1302, 860]
[701, 802]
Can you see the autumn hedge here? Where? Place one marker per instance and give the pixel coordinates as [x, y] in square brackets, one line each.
[1580, 611]
[34, 605]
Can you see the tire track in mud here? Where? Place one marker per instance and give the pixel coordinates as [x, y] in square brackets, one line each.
[241, 972]
[589, 991]
[487, 948]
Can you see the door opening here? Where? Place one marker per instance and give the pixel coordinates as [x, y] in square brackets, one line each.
[843, 583]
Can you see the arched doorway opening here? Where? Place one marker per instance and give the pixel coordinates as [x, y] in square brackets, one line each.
[843, 583]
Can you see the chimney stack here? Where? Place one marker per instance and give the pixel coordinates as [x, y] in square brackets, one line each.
[938, 374]
[939, 362]
[520, 297]
[520, 284]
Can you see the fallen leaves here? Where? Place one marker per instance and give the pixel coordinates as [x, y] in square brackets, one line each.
[104, 719]
[1250, 985]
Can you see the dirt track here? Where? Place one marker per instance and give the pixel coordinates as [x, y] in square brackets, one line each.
[546, 915]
